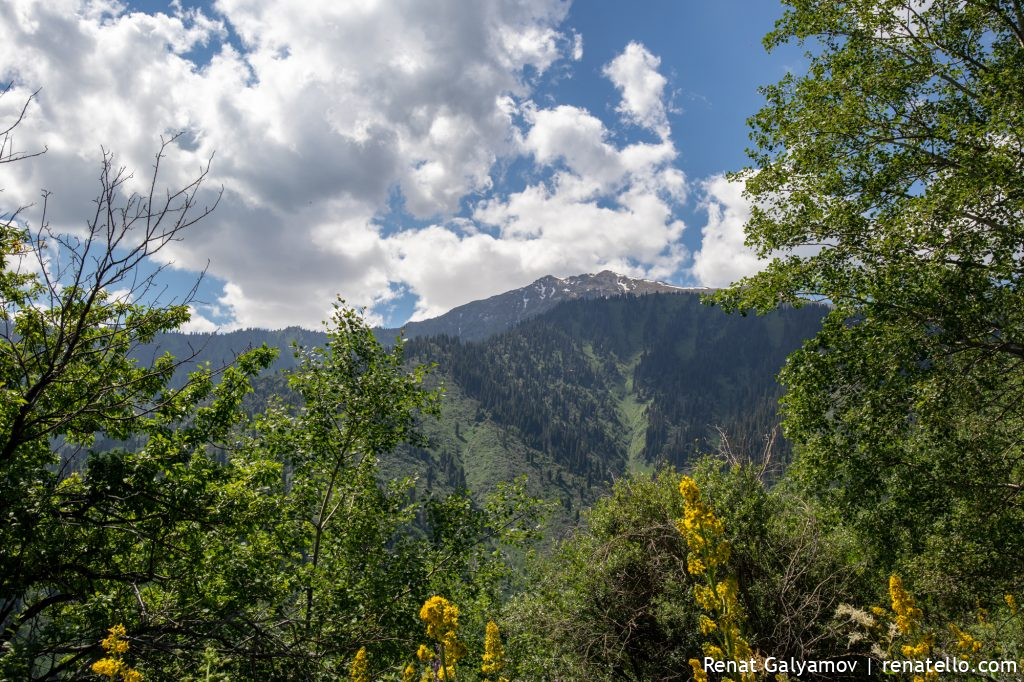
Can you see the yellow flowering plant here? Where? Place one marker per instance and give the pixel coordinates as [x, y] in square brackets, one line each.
[902, 632]
[716, 594]
[360, 667]
[441, 618]
[494, 654]
[112, 666]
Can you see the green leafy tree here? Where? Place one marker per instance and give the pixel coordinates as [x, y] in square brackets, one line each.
[162, 534]
[220, 546]
[897, 159]
[364, 552]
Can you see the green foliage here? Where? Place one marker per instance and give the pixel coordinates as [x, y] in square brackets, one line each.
[228, 545]
[569, 383]
[898, 158]
[145, 537]
[611, 601]
[615, 601]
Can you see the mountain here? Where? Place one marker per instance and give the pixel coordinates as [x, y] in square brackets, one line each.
[470, 322]
[480, 319]
[577, 396]
[572, 383]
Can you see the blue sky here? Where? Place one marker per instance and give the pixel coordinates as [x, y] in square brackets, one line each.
[409, 156]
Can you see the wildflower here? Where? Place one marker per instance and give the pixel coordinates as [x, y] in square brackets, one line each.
[699, 675]
[702, 530]
[441, 617]
[903, 605]
[727, 591]
[964, 640]
[714, 652]
[705, 597]
[494, 652]
[918, 651]
[1011, 601]
[107, 667]
[442, 620]
[409, 674]
[360, 667]
[114, 642]
[708, 549]
[113, 667]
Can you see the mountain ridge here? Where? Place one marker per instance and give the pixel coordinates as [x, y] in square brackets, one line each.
[484, 317]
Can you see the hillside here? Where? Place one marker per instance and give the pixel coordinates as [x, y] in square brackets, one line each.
[592, 389]
[578, 394]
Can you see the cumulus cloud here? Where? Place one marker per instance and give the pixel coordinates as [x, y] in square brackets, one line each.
[723, 258]
[635, 74]
[198, 323]
[320, 114]
[600, 206]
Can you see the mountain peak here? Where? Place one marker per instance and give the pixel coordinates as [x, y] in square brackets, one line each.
[480, 319]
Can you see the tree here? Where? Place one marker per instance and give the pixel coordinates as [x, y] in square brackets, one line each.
[366, 554]
[93, 537]
[359, 564]
[898, 159]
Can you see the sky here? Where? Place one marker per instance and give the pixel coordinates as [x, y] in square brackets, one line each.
[408, 156]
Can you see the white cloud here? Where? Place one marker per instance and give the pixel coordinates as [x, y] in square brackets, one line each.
[326, 112]
[723, 258]
[635, 74]
[198, 323]
[577, 47]
[602, 207]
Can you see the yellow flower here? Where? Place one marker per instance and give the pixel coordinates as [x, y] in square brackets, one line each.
[964, 640]
[727, 594]
[494, 652]
[707, 626]
[424, 653]
[112, 666]
[1011, 601]
[917, 651]
[699, 675]
[440, 615]
[714, 652]
[107, 667]
[409, 674]
[454, 649]
[442, 620]
[114, 642]
[689, 490]
[360, 667]
[903, 605]
[705, 597]
[702, 531]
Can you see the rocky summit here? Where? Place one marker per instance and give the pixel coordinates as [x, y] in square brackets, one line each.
[483, 318]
